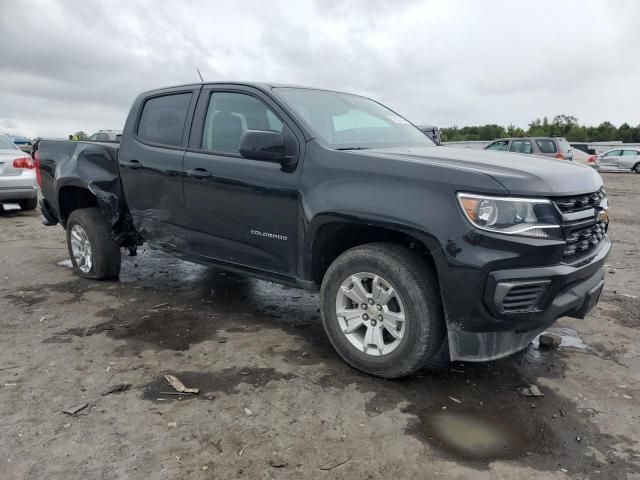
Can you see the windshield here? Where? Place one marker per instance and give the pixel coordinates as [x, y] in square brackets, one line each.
[20, 140]
[351, 122]
[5, 144]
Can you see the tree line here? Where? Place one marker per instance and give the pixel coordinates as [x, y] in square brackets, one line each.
[565, 126]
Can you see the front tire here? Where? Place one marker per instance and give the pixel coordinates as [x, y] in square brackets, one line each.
[381, 309]
[93, 251]
[29, 204]
[636, 167]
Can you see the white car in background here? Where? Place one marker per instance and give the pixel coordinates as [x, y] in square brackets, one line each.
[619, 159]
[18, 183]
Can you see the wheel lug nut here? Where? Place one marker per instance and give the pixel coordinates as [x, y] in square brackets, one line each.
[373, 323]
[371, 301]
[364, 306]
[365, 317]
[380, 317]
[379, 307]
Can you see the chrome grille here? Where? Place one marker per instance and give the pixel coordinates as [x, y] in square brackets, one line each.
[583, 228]
[584, 239]
[576, 203]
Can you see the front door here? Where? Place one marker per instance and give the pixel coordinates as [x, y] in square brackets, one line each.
[150, 160]
[241, 211]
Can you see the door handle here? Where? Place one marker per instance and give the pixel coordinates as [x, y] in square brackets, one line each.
[133, 164]
[199, 173]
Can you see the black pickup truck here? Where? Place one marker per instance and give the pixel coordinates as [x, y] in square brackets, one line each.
[421, 253]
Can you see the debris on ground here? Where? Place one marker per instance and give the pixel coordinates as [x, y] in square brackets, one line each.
[76, 409]
[242, 450]
[160, 305]
[179, 386]
[454, 399]
[218, 445]
[117, 388]
[332, 465]
[277, 461]
[172, 424]
[222, 339]
[244, 372]
[550, 340]
[248, 412]
[532, 391]
[210, 396]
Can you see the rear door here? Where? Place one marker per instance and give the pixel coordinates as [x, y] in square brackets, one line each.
[241, 211]
[150, 160]
[629, 159]
[610, 160]
[521, 145]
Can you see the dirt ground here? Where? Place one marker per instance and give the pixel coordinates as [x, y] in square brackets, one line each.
[275, 401]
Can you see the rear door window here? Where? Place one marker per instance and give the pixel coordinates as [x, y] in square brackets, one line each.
[612, 153]
[500, 145]
[546, 145]
[521, 146]
[629, 153]
[163, 119]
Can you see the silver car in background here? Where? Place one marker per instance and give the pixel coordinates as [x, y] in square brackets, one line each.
[554, 147]
[18, 183]
[619, 159]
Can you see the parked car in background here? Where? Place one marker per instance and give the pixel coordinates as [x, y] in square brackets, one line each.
[106, 136]
[17, 176]
[22, 142]
[555, 147]
[584, 147]
[624, 159]
[432, 132]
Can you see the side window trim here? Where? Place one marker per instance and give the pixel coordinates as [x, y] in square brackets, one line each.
[195, 93]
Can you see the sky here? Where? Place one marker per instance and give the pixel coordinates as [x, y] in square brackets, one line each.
[77, 65]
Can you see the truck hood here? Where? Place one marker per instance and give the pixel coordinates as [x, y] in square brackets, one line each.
[519, 174]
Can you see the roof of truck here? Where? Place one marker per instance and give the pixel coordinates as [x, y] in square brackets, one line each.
[259, 85]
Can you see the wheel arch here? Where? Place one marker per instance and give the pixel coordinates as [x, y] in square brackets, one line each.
[330, 235]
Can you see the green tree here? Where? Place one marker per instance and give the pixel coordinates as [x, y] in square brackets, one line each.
[80, 135]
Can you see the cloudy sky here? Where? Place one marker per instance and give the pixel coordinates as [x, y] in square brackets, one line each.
[77, 65]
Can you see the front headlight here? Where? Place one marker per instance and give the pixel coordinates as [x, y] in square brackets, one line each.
[529, 217]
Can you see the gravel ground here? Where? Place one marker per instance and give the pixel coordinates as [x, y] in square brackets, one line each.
[275, 401]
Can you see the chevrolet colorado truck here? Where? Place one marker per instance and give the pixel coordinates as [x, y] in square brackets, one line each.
[421, 253]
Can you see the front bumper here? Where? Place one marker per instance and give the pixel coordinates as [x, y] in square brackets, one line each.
[495, 327]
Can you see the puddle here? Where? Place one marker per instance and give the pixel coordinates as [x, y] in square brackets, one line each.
[475, 437]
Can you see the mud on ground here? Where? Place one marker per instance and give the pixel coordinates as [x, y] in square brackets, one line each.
[275, 400]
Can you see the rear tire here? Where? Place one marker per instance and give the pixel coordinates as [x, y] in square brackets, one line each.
[414, 284]
[636, 167]
[93, 251]
[28, 205]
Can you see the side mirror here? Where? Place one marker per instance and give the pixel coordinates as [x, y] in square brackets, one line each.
[263, 145]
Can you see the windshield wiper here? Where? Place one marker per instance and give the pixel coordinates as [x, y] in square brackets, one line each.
[353, 148]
